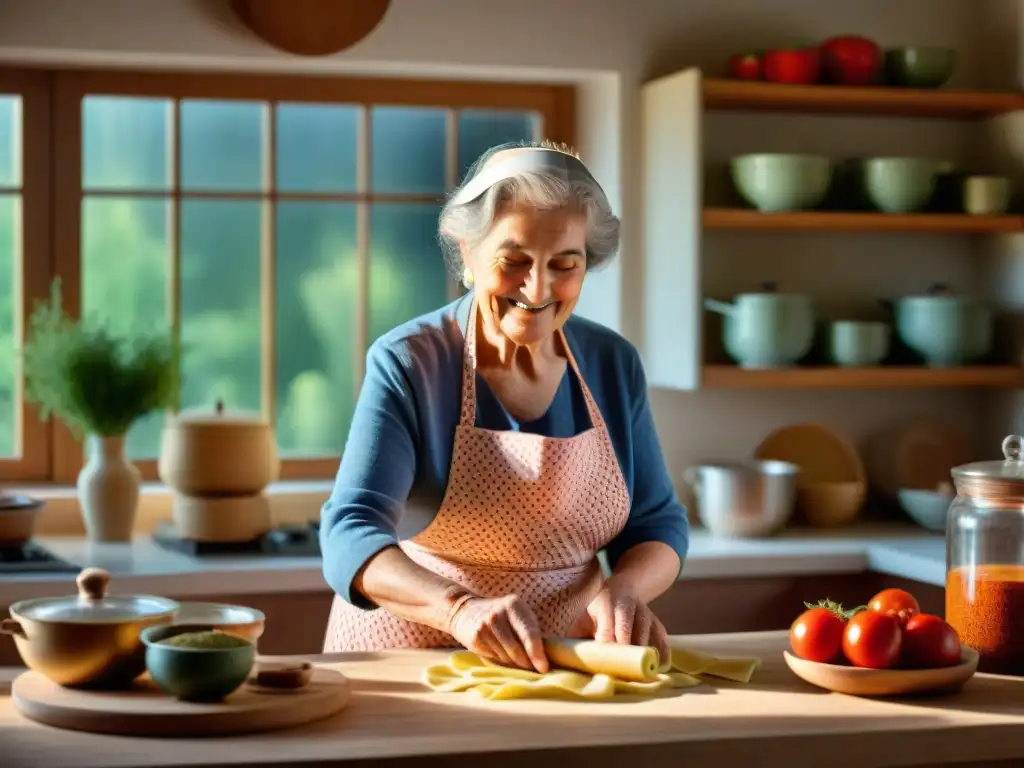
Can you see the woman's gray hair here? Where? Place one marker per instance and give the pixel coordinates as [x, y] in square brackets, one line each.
[470, 222]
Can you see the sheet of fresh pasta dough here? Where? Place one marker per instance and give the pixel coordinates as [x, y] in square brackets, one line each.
[600, 671]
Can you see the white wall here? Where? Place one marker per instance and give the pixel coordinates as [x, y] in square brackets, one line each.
[611, 46]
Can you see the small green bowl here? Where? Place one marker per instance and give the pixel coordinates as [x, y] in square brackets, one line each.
[195, 674]
[901, 184]
[925, 66]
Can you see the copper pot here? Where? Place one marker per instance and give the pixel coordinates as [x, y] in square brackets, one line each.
[90, 640]
[18, 516]
[218, 453]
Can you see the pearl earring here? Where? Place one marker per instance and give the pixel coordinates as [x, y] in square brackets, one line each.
[467, 277]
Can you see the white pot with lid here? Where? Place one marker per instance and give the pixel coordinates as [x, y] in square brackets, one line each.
[218, 452]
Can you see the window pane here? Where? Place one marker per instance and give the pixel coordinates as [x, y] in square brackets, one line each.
[10, 263]
[10, 141]
[317, 301]
[222, 145]
[125, 143]
[407, 272]
[408, 150]
[124, 280]
[220, 303]
[316, 147]
[481, 129]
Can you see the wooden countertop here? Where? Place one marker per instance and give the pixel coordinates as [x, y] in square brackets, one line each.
[776, 720]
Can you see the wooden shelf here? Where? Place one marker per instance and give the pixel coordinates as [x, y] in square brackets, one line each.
[881, 377]
[840, 221]
[835, 99]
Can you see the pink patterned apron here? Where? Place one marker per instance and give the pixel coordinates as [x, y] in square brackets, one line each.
[523, 514]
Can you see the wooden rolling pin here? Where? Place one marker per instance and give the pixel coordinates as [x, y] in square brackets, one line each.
[625, 662]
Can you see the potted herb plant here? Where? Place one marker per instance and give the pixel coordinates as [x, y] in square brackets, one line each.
[99, 384]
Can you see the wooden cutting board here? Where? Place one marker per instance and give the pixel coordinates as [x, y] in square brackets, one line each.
[144, 710]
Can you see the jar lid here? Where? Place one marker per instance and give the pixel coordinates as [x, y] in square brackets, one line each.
[1010, 469]
[218, 417]
[93, 605]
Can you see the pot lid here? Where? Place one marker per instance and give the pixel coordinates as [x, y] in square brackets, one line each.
[995, 482]
[767, 288]
[218, 417]
[937, 291]
[12, 502]
[92, 604]
[1011, 468]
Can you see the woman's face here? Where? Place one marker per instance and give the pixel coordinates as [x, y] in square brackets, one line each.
[528, 272]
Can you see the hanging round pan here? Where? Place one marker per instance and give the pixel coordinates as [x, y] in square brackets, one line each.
[17, 519]
[311, 27]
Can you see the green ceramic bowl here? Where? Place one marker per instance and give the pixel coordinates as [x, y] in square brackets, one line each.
[780, 182]
[926, 66]
[195, 674]
[900, 184]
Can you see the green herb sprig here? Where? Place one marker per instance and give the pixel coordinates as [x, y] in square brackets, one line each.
[94, 381]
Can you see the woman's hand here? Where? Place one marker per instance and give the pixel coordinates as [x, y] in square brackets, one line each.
[620, 616]
[503, 629]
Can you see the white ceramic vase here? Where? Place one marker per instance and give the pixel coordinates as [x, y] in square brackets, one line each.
[108, 490]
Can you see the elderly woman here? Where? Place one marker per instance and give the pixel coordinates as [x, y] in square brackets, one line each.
[499, 443]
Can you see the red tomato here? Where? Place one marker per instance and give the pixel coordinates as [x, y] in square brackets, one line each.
[851, 60]
[929, 642]
[745, 67]
[794, 66]
[817, 635]
[872, 640]
[897, 603]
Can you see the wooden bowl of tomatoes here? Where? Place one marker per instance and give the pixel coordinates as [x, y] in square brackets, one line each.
[885, 648]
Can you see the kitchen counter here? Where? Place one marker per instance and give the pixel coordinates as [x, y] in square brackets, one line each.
[775, 720]
[142, 567]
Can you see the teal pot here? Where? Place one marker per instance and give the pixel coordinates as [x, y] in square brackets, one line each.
[196, 674]
[766, 330]
[780, 182]
[945, 329]
[901, 184]
[923, 66]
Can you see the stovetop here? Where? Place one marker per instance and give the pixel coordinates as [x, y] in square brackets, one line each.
[32, 558]
[284, 541]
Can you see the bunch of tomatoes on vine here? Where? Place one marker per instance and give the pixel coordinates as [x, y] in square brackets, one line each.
[890, 631]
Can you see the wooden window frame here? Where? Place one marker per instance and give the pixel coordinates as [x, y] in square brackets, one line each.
[35, 266]
[60, 165]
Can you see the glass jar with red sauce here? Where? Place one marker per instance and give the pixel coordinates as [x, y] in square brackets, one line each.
[985, 559]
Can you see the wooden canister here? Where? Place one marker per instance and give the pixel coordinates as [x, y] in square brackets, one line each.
[218, 452]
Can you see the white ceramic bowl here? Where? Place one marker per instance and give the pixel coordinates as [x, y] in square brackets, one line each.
[237, 619]
[926, 508]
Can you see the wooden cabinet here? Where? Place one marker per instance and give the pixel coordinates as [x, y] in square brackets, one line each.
[699, 243]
